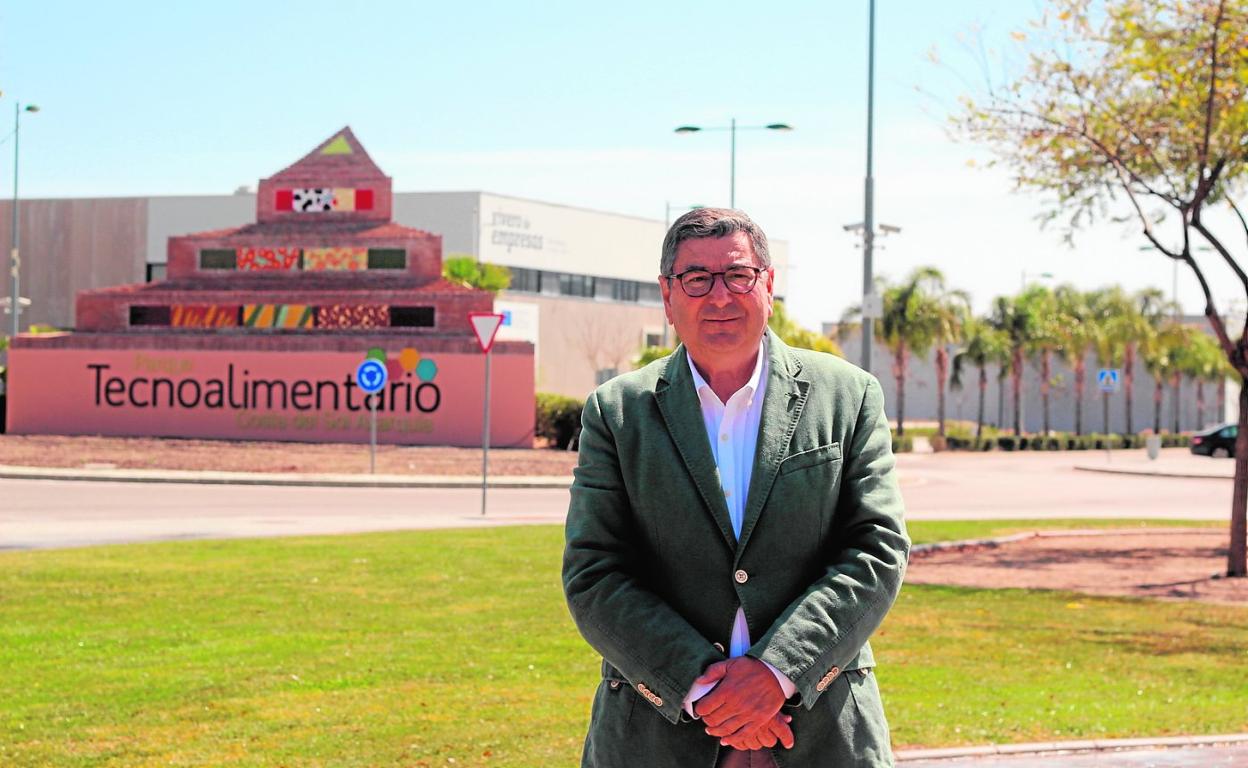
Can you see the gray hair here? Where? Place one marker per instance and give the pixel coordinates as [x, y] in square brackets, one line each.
[709, 223]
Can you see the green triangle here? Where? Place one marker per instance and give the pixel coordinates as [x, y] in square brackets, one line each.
[338, 146]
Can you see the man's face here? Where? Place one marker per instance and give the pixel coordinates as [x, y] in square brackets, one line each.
[722, 327]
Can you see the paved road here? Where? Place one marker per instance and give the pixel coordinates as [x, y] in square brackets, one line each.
[46, 513]
[1187, 757]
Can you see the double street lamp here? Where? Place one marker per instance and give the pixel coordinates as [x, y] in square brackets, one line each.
[15, 301]
[732, 129]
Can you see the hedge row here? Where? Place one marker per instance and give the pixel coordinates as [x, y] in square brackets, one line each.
[558, 418]
[1060, 442]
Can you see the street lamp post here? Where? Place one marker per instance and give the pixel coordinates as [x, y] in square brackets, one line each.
[732, 129]
[15, 264]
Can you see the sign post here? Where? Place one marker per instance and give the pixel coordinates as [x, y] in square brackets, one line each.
[370, 377]
[1107, 380]
[485, 326]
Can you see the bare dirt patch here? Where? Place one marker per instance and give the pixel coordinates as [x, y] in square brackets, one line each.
[245, 456]
[1168, 564]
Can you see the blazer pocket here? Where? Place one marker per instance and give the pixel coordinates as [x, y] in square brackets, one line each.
[824, 454]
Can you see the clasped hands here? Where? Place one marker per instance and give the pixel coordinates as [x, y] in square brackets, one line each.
[743, 710]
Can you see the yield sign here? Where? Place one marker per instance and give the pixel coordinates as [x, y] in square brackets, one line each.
[485, 325]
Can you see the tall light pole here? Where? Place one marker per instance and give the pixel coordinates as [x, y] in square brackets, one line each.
[868, 212]
[15, 261]
[732, 129]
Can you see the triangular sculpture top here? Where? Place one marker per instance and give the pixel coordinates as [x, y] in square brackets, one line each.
[337, 146]
[336, 181]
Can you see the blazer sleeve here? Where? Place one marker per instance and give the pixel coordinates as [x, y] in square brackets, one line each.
[634, 629]
[825, 627]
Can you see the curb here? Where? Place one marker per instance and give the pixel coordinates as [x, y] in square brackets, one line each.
[1091, 745]
[1055, 533]
[274, 479]
[1153, 473]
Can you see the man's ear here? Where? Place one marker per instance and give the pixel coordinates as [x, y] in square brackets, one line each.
[665, 288]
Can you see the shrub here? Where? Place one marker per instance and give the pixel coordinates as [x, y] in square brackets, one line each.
[939, 443]
[903, 443]
[558, 418]
[1007, 442]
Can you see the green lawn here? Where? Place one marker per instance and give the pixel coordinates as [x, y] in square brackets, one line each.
[408, 649]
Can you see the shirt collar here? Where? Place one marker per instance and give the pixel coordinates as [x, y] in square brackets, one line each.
[700, 384]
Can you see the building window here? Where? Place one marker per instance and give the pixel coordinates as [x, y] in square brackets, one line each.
[576, 285]
[218, 258]
[155, 273]
[653, 339]
[648, 293]
[625, 290]
[603, 375]
[525, 280]
[149, 316]
[387, 258]
[411, 317]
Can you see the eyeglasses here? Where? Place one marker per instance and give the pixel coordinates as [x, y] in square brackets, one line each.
[699, 282]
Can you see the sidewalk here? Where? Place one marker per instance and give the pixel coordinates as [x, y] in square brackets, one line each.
[1172, 752]
[1171, 463]
[289, 479]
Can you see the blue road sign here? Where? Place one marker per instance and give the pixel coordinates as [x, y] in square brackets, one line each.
[1107, 379]
[370, 376]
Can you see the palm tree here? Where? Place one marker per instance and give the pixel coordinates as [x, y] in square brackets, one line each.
[1160, 350]
[1046, 337]
[1148, 315]
[1011, 317]
[1078, 338]
[910, 324]
[982, 345]
[949, 311]
[1111, 311]
[1203, 360]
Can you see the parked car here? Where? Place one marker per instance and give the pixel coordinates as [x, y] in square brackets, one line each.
[1218, 442]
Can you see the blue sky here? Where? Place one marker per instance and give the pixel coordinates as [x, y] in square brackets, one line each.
[568, 102]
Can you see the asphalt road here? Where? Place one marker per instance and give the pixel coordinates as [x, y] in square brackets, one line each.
[46, 513]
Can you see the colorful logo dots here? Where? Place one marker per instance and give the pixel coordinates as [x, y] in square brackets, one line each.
[394, 370]
[376, 353]
[427, 370]
[408, 358]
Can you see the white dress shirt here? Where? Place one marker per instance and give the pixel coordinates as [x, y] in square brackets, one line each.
[732, 428]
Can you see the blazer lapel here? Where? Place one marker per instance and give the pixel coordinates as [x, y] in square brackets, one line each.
[782, 408]
[682, 415]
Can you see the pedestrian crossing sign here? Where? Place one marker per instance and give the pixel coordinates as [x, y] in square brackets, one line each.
[1107, 379]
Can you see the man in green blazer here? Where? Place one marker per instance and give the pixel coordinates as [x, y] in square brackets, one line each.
[735, 533]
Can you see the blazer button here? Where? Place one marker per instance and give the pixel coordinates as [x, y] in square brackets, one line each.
[741, 577]
[614, 684]
[719, 647]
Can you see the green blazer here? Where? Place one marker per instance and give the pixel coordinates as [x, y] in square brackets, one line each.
[653, 574]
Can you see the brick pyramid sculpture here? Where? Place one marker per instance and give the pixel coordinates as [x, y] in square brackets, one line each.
[323, 255]
[258, 331]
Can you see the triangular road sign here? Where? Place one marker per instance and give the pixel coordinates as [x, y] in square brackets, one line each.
[485, 325]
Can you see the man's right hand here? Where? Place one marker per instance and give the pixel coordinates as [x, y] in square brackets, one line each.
[775, 731]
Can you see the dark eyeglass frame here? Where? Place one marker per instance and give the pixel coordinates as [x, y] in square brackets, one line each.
[723, 276]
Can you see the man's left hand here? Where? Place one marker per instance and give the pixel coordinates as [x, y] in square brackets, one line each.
[746, 698]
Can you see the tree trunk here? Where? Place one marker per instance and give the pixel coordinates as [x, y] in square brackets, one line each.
[899, 375]
[983, 387]
[1044, 388]
[1000, 401]
[1105, 413]
[1128, 382]
[1237, 552]
[1176, 382]
[1016, 382]
[942, 371]
[1081, 371]
[1157, 390]
[1200, 403]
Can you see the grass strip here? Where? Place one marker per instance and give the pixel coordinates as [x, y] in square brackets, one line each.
[413, 649]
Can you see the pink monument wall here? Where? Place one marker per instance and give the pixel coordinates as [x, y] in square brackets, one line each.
[305, 396]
